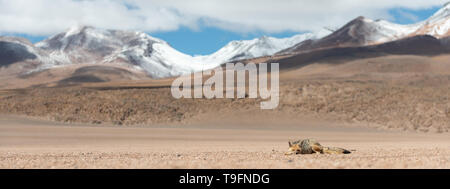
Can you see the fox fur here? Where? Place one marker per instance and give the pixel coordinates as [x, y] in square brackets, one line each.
[311, 146]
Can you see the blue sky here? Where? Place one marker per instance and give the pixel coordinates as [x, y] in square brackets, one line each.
[206, 40]
[408, 16]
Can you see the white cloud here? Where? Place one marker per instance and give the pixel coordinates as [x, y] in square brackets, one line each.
[46, 17]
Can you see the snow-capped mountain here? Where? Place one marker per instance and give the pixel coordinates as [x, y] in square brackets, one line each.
[437, 25]
[81, 45]
[87, 45]
[358, 32]
[17, 49]
[138, 50]
[264, 46]
[363, 31]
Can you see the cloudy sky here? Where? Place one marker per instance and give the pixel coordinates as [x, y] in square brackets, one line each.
[202, 26]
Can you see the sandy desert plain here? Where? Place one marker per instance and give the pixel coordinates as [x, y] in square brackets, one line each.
[389, 115]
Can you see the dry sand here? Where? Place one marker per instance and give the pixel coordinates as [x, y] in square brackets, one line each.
[28, 143]
[394, 111]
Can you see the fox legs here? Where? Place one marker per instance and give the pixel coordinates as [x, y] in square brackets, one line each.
[317, 149]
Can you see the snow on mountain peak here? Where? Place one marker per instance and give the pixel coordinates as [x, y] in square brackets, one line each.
[447, 5]
[134, 49]
[437, 25]
[262, 46]
[83, 44]
[74, 30]
[264, 38]
[88, 45]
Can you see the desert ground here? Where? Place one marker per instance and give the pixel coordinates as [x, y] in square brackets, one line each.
[31, 143]
[391, 111]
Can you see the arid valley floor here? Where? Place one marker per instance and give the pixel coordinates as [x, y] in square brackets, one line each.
[42, 144]
[390, 115]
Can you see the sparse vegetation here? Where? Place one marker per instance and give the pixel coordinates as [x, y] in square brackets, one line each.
[381, 104]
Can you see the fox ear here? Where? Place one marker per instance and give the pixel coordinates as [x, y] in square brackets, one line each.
[289, 142]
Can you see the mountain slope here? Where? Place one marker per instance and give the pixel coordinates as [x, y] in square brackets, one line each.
[264, 46]
[358, 32]
[137, 50]
[14, 50]
[362, 32]
[18, 55]
[421, 45]
[437, 25]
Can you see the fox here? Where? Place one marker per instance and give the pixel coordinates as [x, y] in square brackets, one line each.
[311, 146]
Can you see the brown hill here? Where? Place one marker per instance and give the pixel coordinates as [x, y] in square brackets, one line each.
[417, 45]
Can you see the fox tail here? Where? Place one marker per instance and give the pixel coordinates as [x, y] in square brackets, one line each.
[335, 150]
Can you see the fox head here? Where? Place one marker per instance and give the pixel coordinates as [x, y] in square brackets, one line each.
[293, 149]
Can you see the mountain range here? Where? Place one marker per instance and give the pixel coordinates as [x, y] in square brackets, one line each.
[137, 53]
[363, 31]
[134, 50]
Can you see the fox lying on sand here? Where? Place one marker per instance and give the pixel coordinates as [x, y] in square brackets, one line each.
[311, 146]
